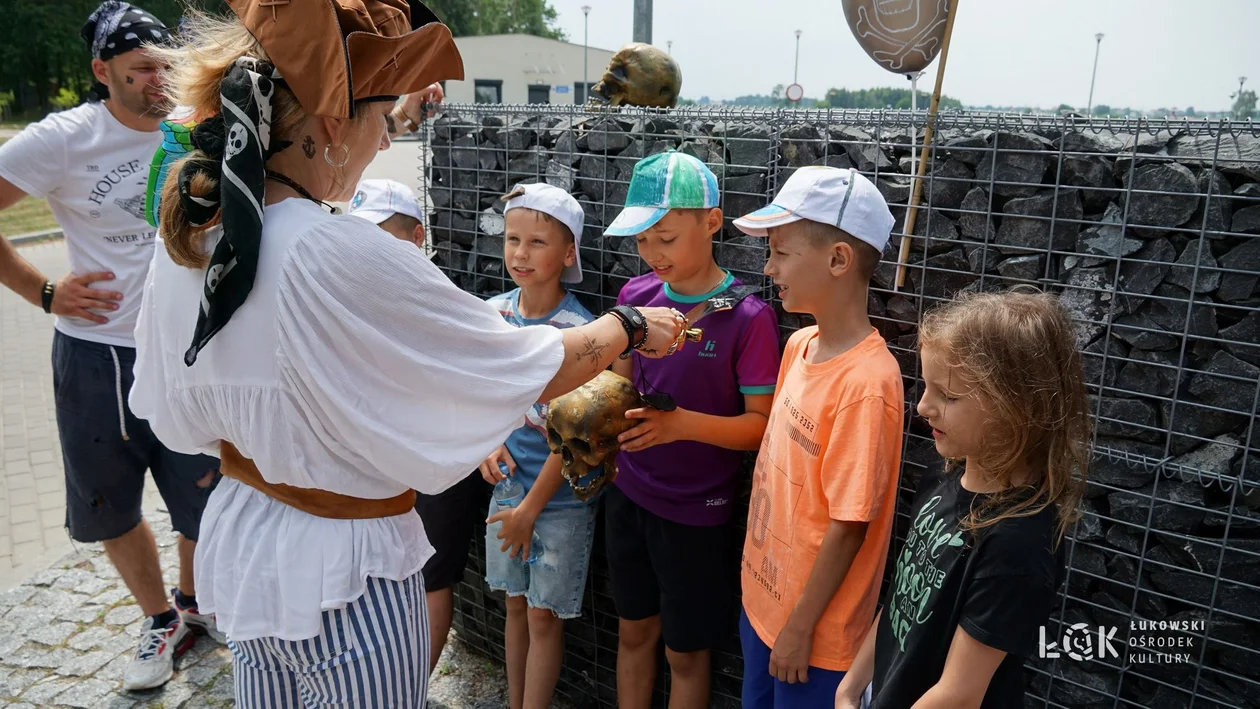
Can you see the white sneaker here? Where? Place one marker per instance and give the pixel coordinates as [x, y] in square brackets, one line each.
[154, 661]
[198, 623]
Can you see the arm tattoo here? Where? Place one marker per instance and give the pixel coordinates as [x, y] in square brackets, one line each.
[308, 147]
[389, 123]
[592, 350]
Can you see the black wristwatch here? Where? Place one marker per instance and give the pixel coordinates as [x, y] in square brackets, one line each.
[46, 295]
[635, 325]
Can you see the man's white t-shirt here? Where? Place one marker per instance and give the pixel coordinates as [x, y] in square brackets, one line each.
[92, 170]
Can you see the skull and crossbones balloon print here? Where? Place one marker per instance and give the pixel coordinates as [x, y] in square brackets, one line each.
[583, 426]
[902, 36]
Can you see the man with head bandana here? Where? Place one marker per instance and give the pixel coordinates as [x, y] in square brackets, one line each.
[91, 164]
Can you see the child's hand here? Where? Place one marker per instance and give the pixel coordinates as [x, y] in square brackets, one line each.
[490, 466]
[517, 530]
[789, 660]
[658, 427]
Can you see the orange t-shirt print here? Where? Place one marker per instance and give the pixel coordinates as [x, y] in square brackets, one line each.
[832, 450]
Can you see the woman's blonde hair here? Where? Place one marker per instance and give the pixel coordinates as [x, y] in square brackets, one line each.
[1017, 350]
[195, 67]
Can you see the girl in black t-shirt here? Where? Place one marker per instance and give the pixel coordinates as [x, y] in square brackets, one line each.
[979, 570]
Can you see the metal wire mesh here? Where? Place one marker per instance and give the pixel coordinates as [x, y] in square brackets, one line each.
[1147, 230]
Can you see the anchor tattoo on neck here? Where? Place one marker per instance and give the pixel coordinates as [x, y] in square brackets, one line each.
[308, 147]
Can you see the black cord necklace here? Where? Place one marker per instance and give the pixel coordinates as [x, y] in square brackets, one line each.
[285, 180]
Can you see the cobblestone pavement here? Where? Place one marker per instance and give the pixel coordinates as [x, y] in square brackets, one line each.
[32, 486]
[67, 623]
[68, 631]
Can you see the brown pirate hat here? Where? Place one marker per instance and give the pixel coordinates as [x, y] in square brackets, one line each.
[333, 53]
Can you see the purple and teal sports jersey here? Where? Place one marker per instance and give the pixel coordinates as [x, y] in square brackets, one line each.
[686, 481]
[528, 444]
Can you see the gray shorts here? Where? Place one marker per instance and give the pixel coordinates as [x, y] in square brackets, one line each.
[106, 449]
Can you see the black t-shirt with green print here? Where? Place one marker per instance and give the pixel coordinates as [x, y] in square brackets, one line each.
[1000, 588]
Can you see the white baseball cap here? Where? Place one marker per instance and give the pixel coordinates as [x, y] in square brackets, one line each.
[378, 200]
[555, 202]
[842, 198]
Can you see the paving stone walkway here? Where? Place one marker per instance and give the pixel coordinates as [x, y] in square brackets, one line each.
[68, 631]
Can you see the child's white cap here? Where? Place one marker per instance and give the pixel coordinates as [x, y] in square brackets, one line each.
[378, 200]
[555, 202]
[829, 195]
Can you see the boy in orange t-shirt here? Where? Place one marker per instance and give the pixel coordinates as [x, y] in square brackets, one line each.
[825, 485]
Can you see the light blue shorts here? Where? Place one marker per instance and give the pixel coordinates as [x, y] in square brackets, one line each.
[555, 581]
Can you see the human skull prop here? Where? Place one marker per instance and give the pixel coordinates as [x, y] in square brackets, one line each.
[583, 425]
[639, 75]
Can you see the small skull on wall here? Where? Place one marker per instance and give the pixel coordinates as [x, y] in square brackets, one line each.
[639, 75]
[583, 425]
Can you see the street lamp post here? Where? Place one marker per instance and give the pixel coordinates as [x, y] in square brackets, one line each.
[586, 43]
[1098, 40]
[797, 70]
[669, 46]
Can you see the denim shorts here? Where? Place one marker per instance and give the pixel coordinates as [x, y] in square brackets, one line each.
[555, 580]
[106, 449]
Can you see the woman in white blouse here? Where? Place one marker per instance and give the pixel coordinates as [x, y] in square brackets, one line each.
[322, 355]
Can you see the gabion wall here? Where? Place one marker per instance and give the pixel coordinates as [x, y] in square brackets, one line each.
[1147, 231]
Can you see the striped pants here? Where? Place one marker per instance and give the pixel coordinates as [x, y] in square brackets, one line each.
[372, 653]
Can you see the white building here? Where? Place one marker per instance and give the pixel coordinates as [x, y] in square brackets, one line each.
[522, 68]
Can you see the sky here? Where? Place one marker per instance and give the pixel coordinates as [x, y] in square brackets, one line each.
[1154, 53]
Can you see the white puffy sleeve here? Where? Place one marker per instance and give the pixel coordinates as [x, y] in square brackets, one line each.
[150, 396]
[396, 368]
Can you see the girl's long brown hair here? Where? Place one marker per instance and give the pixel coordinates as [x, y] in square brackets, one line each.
[1017, 350]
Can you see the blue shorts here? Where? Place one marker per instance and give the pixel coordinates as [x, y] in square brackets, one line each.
[106, 449]
[762, 691]
[555, 581]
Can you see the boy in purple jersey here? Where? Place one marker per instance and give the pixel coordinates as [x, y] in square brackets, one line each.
[668, 514]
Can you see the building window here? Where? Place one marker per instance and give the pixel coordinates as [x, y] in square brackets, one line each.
[580, 91]
[539, 94]
[488, 91]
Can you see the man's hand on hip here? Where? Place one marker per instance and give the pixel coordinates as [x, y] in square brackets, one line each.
[74, 297]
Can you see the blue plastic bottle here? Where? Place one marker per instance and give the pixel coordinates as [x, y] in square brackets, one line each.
[509, 492]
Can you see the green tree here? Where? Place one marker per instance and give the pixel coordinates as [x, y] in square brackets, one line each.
[882, 97]
[480, 17]
[1064, 107]
[1244, 105]
[1102, 109]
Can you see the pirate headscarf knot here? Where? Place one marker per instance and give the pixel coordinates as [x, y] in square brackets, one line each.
[116, 28]
[236, 145]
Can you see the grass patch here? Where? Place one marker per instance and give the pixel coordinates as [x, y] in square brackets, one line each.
[28, 215]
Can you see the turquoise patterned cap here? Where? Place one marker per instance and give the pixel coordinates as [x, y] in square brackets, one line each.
[662, 182]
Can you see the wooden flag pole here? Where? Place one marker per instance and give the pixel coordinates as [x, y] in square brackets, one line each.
[915, 197]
